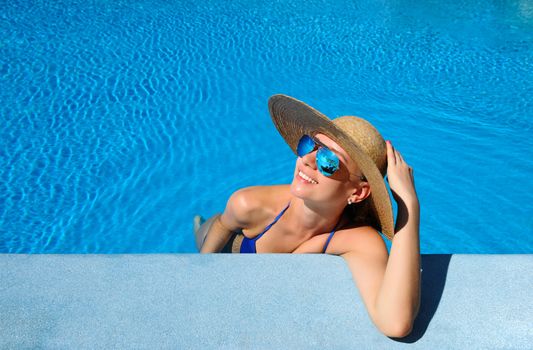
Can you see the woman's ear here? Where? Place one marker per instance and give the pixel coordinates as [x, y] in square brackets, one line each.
[361, 192]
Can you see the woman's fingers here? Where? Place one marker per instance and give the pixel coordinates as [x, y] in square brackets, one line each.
[399, 175]
[391, 158]
[397, 162]
[399, 157]
[393, 155]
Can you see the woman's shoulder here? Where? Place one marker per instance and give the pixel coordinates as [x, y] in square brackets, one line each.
[262, 192]
[254, 197]
[253, 204]
[364, 239]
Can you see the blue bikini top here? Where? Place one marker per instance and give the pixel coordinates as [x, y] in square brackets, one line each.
[248, 244]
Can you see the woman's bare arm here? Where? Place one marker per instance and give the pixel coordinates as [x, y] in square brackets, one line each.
[232, 219]
[236, 216]
[390, 287]
[217, 235]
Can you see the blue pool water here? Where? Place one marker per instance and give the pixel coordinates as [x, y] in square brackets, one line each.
[122, 119]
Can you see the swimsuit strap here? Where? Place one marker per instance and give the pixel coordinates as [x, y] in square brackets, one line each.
[331, 235]
[272, 223]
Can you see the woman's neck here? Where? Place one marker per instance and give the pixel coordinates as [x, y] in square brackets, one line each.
[309, 220]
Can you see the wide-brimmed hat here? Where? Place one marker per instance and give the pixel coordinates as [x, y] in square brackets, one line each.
[360, 139]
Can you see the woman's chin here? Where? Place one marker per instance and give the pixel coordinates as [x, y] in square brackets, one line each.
[300, 190]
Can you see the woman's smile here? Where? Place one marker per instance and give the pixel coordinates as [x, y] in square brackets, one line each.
[306, 179]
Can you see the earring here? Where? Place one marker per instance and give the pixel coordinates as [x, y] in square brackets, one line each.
[349, 201]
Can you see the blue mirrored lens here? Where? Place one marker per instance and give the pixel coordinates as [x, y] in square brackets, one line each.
[305, 146]
[327, 161]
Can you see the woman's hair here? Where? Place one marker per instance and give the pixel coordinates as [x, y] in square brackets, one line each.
[361, 214]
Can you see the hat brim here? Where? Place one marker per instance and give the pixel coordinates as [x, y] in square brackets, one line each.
[294, 118]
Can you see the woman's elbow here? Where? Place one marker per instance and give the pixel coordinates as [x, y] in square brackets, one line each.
[395, 327]
[397, 323]
[397, 330]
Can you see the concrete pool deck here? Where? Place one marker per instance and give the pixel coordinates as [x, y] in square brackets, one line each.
[267, 301]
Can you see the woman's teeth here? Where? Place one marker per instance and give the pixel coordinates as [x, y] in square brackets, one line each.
[307, 178]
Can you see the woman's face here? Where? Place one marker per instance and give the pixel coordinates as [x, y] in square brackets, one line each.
[310, 184]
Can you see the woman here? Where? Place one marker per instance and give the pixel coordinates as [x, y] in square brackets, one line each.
[336, 204]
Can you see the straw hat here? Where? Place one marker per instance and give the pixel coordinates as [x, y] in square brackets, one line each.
[356, 136]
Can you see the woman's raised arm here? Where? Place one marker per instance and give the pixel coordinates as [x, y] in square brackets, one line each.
[391, 288]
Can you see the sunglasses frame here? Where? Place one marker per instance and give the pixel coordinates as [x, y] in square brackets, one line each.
[318, 146]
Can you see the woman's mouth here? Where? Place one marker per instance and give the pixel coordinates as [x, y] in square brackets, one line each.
[306, 178]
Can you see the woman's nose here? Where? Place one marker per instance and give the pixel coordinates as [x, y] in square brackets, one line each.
[310, 160]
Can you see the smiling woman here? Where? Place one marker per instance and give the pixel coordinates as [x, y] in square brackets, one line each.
[336, 204]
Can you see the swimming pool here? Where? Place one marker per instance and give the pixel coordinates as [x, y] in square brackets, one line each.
[123, 119]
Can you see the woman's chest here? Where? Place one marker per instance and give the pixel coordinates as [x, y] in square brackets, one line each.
[276, 240]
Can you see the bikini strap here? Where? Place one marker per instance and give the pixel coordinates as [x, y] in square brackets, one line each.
[331, 235]
[272, 223]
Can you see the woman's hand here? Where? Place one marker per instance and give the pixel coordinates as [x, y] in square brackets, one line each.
[400, 176]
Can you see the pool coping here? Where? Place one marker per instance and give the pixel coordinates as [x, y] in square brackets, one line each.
[262, 301]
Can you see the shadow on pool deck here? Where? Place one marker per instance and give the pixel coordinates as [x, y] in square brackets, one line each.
[434, 271]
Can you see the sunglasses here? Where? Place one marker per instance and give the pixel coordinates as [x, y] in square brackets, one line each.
[327, 161]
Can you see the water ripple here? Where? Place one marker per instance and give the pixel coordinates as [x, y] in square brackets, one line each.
[122, 120]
